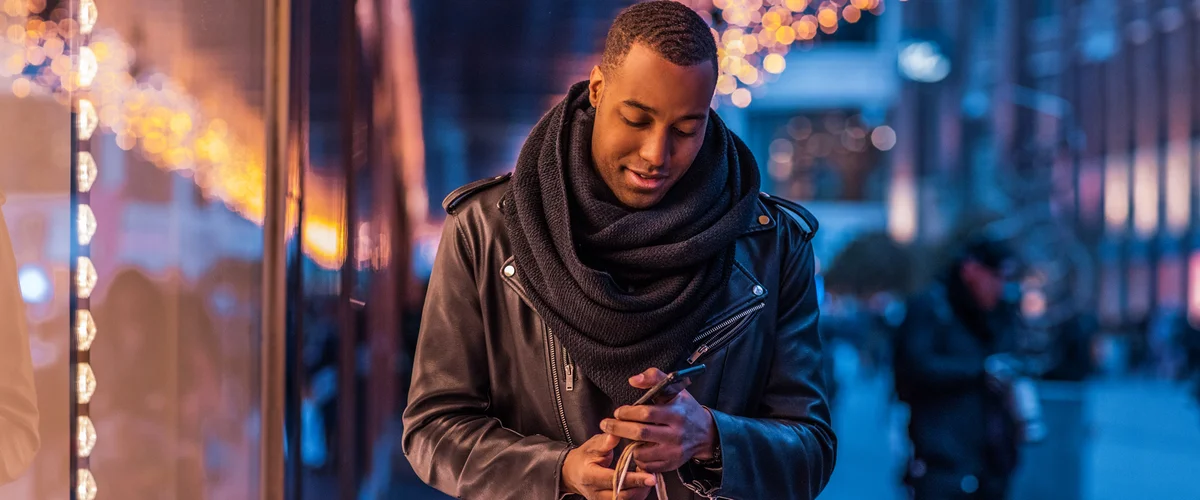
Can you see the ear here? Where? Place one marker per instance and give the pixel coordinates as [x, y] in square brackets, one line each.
[596, 86]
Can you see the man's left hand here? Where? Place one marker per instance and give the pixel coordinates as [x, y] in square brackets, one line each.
[674, 432]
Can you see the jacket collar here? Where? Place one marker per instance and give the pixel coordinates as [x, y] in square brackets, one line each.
[762, 220]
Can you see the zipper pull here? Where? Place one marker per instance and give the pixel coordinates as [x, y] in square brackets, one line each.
[570, 369]
[696, 355]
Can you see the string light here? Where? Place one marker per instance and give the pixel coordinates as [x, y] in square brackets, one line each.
[78, 73]
[85, 383]
[85, 329]
[86, 224]
[86, 120]
[85, 488]
[753, 36]
[86, 436]
[157, 115]
[87, 171]
[87, 16]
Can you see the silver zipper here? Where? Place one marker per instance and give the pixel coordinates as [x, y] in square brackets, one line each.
[721, 339]
[558, 400]
[570, 370]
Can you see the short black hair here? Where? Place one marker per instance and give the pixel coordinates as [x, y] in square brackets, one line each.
[992, 252]
[669, 28]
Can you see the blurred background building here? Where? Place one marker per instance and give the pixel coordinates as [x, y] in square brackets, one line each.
[231, 140]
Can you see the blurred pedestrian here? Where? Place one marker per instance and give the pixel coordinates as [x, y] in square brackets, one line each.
[954, 370]
[19, 440]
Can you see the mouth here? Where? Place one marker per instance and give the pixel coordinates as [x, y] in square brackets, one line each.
[645, 182]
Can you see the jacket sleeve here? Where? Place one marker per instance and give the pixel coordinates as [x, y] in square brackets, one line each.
[18, 401]
[787, 450]
[920, 364]
[451, 441]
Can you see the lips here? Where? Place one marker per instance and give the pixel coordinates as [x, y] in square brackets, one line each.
[645, 182]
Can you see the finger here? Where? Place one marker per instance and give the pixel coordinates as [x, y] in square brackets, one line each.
[650, 457]
[601, 444]
[658, 466]
[639, 432]
[636, 479]
[647, 379]
[649, 414]
[601, 478]
[634, 494]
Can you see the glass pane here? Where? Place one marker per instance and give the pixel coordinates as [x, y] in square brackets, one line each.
[178, 203]
[35, 255]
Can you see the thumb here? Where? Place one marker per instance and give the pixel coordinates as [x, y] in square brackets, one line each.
[647, 379]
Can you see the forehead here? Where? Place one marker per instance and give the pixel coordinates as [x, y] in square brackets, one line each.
[647, 77]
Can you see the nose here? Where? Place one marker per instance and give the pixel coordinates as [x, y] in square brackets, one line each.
[657, 148]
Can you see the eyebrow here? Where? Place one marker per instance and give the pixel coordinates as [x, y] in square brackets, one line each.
[636, 104]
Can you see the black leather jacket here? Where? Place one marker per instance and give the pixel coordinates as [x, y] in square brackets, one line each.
[496, 403]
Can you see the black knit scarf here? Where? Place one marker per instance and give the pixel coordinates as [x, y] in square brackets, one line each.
[624, 289]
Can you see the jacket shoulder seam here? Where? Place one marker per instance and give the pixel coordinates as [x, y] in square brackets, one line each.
[456, 198]
[797, 212]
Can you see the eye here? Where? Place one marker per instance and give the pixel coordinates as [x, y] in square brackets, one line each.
[681, 133]
[634, 124]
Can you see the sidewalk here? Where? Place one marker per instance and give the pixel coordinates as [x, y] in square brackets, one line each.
[1141, 441]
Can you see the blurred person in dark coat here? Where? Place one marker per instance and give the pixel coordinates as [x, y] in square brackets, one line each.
[18, 400]
[951, 369]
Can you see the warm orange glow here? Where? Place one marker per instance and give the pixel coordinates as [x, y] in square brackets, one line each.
[806, 27]
[785, 35]
[748, 75]
[1145, 191]
[726, 84]
[902, 207]
[1178, 187]
[774, 63]
[1116, 193]
[851, 14]
[21, 87]
[772, 21]
[827, 18]
[796, 5]
[324, 242]
[741, 98]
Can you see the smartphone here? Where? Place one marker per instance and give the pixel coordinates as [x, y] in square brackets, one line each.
[669, 387]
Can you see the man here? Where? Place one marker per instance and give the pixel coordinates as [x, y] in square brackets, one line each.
[953, 369]
[18, 401]
[630, 241]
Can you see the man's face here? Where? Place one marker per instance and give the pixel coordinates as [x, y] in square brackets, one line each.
[650, 120]
[986, 284]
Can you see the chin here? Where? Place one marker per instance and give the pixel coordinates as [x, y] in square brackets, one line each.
[639, 201]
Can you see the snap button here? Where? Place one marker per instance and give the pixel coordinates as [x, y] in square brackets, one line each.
[764, 220]
[509, 270]
[758, 290]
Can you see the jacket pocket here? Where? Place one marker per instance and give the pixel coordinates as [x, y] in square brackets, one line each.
[717, 336]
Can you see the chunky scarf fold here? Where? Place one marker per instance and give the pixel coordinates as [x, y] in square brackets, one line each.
[624, 289]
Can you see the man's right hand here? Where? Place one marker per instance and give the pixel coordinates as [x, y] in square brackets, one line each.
[585, 472]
